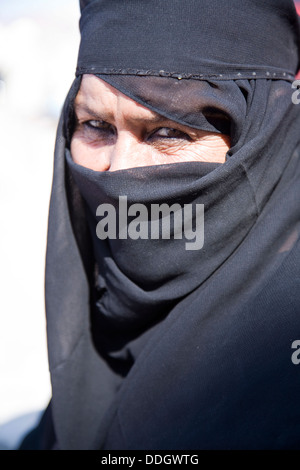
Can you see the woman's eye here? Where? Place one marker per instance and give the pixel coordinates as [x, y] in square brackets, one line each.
[98, 125]
[169, 133]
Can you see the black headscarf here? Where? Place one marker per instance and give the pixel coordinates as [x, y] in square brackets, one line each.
[152, 346]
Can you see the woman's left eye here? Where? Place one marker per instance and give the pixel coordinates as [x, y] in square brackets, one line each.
[169, 133]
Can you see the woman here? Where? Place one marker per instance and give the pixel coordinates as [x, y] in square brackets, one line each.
[154, 344]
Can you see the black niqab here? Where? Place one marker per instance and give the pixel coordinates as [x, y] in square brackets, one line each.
[193, 351]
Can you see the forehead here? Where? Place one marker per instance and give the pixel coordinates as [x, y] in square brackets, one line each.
[97, 95]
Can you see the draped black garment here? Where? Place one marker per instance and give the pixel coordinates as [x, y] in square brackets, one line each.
[152, 346]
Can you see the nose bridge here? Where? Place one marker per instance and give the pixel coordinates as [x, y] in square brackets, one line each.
[125, 151]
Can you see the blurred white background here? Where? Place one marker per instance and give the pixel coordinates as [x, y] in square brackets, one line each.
[38, 51]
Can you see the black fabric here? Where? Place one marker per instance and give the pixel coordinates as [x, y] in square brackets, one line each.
[206, 105]
[135, 295]
[150, 346]
[195, 38]
[42, 437]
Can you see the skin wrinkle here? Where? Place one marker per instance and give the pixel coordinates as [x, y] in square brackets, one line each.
[114, 132]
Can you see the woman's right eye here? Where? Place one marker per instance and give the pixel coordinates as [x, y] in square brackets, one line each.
[96, 125]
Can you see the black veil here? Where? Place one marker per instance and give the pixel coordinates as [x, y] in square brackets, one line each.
[213, 370]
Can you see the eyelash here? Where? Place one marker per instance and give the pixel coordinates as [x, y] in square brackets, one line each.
[104, 127]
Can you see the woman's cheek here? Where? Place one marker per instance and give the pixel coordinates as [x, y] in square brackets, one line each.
[212, 150]
[90, 155]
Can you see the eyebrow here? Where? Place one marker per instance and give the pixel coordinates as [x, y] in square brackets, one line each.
[108, 116]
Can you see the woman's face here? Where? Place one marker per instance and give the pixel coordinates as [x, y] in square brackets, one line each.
[113, 132]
